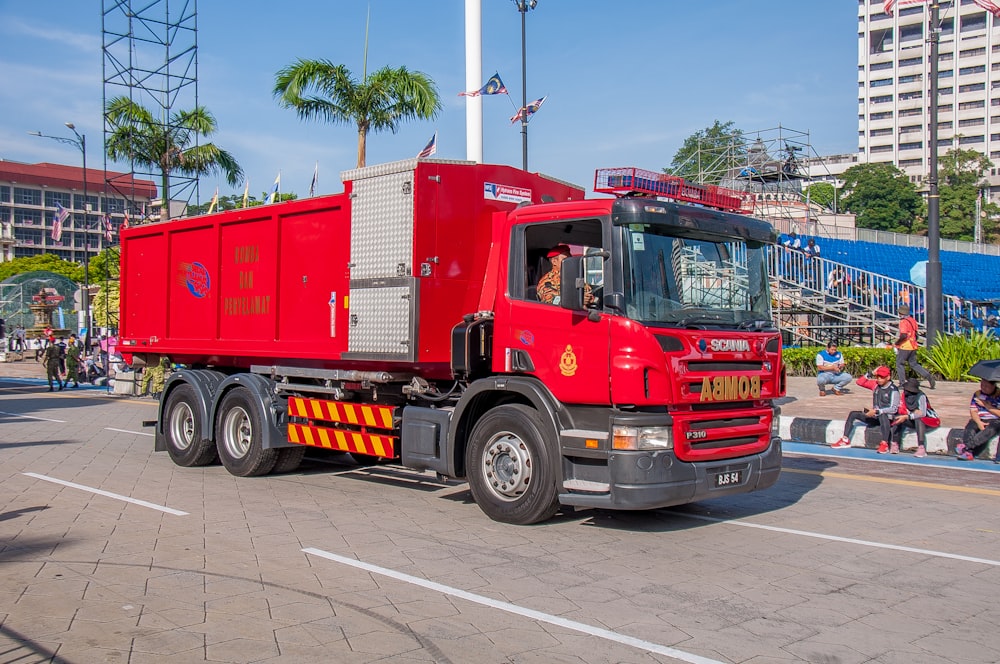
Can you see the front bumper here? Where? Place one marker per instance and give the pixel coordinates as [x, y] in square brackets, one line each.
[648, 479]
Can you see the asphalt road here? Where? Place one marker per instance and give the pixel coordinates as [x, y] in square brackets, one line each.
[110, 553]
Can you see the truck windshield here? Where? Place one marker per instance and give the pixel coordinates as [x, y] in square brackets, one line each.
[671, 280]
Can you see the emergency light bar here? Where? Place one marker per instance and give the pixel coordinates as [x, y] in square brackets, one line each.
[639, 182]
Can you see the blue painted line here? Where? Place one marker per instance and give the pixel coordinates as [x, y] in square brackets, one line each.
[937, 460]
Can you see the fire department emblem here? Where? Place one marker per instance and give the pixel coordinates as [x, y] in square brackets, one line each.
[195, 276]
[567, 363]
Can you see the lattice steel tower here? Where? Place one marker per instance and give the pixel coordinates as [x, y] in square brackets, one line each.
[150, 50]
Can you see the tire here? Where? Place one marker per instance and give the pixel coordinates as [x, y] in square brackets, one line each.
[510, 472]
[238, 428]
[182, 429]
[289, 459]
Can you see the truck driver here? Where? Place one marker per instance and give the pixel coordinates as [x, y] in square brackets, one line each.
[548, 285]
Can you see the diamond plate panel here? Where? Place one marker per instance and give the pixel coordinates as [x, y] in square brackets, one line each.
[381, 322]
[382, 225]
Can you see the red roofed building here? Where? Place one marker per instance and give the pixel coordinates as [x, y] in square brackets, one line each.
[29, 194]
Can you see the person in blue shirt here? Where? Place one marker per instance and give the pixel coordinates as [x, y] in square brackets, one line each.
[830, 370]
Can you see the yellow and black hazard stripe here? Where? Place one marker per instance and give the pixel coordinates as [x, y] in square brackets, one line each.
[341, 412]
[343, 440]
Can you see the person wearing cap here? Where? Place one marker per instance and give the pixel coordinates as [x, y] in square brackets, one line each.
[550, 283]
[916, 412]
[984, 422]
[906, 347]
[885, 406]
[52, 356]
[830, 370]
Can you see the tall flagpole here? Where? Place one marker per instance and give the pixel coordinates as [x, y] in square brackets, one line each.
[473, 76]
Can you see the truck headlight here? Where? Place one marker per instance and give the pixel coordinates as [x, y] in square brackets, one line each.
[642, 438]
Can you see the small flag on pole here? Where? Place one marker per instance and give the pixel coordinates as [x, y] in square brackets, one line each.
[430, 148]
[57, 222]
[529, 110]
[274, 194]
[125, 221]
[246, 192]
[494, 86]
[215, 201]
[312, 185]
[108, 230]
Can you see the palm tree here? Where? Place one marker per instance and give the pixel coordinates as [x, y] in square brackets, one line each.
[323, 90]
[167, 146]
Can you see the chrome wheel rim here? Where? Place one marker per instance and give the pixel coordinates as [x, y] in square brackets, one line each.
[237, 432]
[506, 465]
[182, 426]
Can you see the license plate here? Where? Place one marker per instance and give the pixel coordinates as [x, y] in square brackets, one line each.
[730, 478]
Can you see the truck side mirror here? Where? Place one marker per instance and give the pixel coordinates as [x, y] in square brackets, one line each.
[572, 282]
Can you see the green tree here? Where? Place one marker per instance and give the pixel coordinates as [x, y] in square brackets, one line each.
[961, 175]
[882, 197]
[169, 146]
[319, 89]
[708, 155]
[822, 193]
[105, 272]
[43, 263]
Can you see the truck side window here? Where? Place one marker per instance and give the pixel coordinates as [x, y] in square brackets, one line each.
[546, 243]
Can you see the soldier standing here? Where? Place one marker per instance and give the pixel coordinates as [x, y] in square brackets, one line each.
[73, 360]
[51, 356]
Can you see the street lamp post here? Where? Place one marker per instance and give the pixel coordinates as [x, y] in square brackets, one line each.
[524, 6]
[81, 143]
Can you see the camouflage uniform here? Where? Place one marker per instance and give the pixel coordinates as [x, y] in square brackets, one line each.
[73, 350]
[51, 356]
[548, 287]
[153, 378]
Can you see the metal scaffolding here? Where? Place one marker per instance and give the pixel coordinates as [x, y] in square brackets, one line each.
[150, 50]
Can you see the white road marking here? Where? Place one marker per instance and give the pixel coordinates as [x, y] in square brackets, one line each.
[513, 608]
[848, 540]
[108, 494]
[32, 417]
[137, 433]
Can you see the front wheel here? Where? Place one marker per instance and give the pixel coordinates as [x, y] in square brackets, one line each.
[510, 473]
[238, 432]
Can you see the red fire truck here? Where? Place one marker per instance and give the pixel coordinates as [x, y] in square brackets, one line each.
[400, 321]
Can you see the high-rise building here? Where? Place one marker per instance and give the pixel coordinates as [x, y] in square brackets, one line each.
[30, 196]
[894, 84]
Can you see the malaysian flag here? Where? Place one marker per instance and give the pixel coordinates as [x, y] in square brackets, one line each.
[108, 230]
[529, 110]
[125, 220]
[312, 185]
[57, 222]
[494, 86]
[430, 148]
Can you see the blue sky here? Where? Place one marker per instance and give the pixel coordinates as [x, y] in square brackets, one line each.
[626, 81]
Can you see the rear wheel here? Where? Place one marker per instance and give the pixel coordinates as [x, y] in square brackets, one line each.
[289, 459]
[238, 430]
[510, 474]
[182, 428]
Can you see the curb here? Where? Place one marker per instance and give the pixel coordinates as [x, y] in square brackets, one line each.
[941, 440]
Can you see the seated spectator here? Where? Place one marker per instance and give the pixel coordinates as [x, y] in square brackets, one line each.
[885, 406]
[915, 411]
[984, 410]
[830, 370]
[837, 281]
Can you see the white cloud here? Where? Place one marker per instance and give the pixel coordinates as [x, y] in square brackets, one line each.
[72, 38]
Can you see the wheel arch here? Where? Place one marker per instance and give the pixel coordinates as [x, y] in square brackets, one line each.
[488, 393]
[204, 382]
[273, 410]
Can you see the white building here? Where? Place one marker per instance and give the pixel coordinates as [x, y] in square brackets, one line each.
[894, 82]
